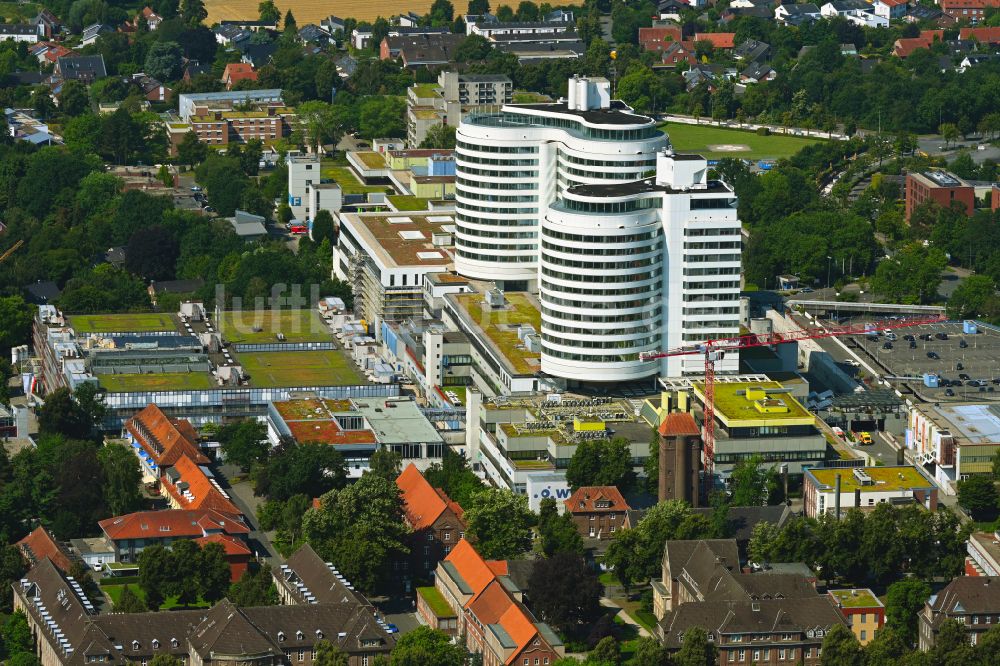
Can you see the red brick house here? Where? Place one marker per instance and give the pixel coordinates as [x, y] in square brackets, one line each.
[238, 555]
[678, 52]
[436, 520]
[718, 40]
[598, 511]
[41, 544]
[658, 38]
[939, 186]
[236, 72]
[982, 35]
[967, 10]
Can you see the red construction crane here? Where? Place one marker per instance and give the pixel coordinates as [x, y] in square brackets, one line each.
[715, 350]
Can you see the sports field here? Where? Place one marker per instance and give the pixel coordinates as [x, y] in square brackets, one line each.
[715, 142]
[313, 11]
[161, 381]
[260, 326]
[299, 368]
[136, 322]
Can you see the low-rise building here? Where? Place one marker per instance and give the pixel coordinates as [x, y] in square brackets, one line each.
[598, 511]
[972, 601]
[128, 535]
[41, 544]
[941, 187]
[659, 37]
[417, 51]
[983, 557]
[863, 611]
[194, 104]
[20, 32]
[436, 520]
[236, 72]
[961, 439]
[306, 579]
[429, 105]
[159, 441]
[865, 488]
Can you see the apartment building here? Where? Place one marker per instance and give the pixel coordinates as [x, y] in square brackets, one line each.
[437, 522]
[834, 489]
[444, 103]
[970, 600]
[863, 611]
[629, 246]
[961, 439]
[308, 191]
[942, 187]
[598, 511]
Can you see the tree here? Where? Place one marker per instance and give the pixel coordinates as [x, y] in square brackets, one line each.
[183, 579]
[424, 646]
[323, 227]
[453, 475]
[163, 61]
[887, 649]
[606, 652]
[912, 275]
[322, 122]
[970, 298]
[361, 529]
[164, 659]
[17, 636]
[63, 415]
[254, 588]
[751, 484]
[441, 13]
[978, 496]
[129, 602]
[328, 654]
[949, 132]
[15, 322]
[478, 7]
[213, 572]
[440, 136]
[193, 12]
[295, 469]
[385, 462]
[498, 523]
[557, 532]
[155, 573]
[268, 12]
[473, 49]
[565, 591]
[122, 479]
[291, 26]
[904, 601]
[152, 253]
[696, 650]
[649, 652]
[191, 151]
[244, 443]
[840, 648]
[74, 99]
[601, 463]
[996, 465]
[12, 569]
[527, 11]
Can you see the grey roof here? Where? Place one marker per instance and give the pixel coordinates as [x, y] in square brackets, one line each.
[90, 67]
[528, 25]
[313, 33]
[247, 224]
[801, 9]
[795, 616]
[232, 33]
[968, 594]
[742, 519]
[43, 292]
[257, 54]
[677, 554]
[18, 29]
[227, 631]
[756, 71]
[95, 29]
[306, 567]
[519, 572]
[751, 49]
[177, 286]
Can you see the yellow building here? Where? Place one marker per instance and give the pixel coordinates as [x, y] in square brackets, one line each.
[863, 611]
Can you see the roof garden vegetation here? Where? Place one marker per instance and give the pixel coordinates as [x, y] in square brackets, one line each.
[160, 381]
[500, 326]
[435, 601]
[260, 326]
[426, 90]
[371, 159]
[348, 182]
[135, 322]
[732, 403]
[715, 142]
[884, 478]
[300, 368]
[856, 598]
[408, 202]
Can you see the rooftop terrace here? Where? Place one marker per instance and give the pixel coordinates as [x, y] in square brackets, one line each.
[261, 326]
[885, 479]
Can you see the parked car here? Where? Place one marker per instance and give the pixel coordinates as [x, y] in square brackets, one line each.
[865, 438]
[909, 337]
[949, 393]
[913, 344]
[933, 355]
[886, 345]
[963, 344]
[941, 336]
[962, 375]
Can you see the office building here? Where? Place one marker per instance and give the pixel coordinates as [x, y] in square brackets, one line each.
[429, 105]
[983, 557]
[960, 439]
[629, 246]
[941, 187]
[828, 490]
[192, 104]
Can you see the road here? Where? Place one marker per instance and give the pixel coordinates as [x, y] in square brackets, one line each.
[241, 494]
[934, 145]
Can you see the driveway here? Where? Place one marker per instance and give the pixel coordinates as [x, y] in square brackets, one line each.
[241, 493]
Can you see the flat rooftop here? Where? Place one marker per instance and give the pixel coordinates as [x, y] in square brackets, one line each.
[263, 326]
[138, 322]
[886, 479]
[617, 114]
[856, 598]
[396, 421]
[499, 326]
[754, 401]
[404, 239]
[159, 381]
[290, 369]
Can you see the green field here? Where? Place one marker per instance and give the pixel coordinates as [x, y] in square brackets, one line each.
[162, 381]
[115, 593]
[299, 368]
[15, 12]
[136, 322]
[259, 326]
[706, 139]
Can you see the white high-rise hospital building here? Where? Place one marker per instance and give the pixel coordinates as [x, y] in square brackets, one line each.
[630, 246]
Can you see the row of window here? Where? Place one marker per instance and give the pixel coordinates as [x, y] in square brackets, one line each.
[510, 150]
[496, 197]
[764, 654]
[600, 304]
[720, 284]
[709, 311]
[504, 211]
[713, 245]
[460, 158]
[497, 258]
[497, 174]
[576, 125]
[501, 235]
[602, 265]
[611, 207]
[645, 328]
[628, 357]
[461, 242]
[710, 258]
[731, 270]
[601, 240]
[713, 231]
[602, 251]
[582, 161]
[607, 278]
[597, 292]
[652, 315]
[606, 175]
[494, 186]
[709, 204]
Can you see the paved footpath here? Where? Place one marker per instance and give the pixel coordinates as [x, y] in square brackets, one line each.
[626, 618]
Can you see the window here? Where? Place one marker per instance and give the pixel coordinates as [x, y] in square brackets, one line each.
[864, 635]
[447, 536]
[743, 654]
[791, 654]
[732, 655]
[537, 661]
[781, 654]
[756, 655]
[364, 660]
[302, 655]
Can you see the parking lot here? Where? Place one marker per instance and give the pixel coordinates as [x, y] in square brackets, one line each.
[969, 363]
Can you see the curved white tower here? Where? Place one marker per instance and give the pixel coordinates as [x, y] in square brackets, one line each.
[511, 164]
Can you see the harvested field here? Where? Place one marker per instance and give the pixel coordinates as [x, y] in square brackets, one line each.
[313, 11]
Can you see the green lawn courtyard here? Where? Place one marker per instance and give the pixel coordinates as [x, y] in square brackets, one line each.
[261, 326]
[159, 381]
[114, 592]
[300, 368]
[135, 322]
[716, 142]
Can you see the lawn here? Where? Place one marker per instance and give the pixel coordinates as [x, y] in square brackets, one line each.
[408, 202]
[136, 322]
[161, 381]
[707, 139]
[348, 182]
[435, 601]
[300, 368]
[115, 593]
[262, 326]
[16, 12]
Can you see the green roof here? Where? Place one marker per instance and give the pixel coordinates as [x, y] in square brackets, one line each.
[138, 322]
[348, 182]
[884, 478]
[287, 369]
[371, 159]
[856, 598]
[435, 601]
[500, 326]
[426, 90]
[160, 381]
[732, 403]
[258, 326]
[408, 202]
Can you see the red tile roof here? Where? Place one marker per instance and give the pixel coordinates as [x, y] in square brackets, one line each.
[204, 495]
[422, 503]
[163, 438]
[902, 48]
[175, 523]
[657, 37]
[679, 423]
[719, 40]
[238, 71]
[470, 566]
[41, 544]
[231, 544]
[585, 499]
[989, 35]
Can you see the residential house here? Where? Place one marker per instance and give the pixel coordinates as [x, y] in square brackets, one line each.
[237, 553]
[836, 8]
[42, 292]
[891, 9]
[990, 35]
[252, 26]
[257, 55]
[667, 593]
[236, 72]
[230, 35]
[973, 601]
[598, 511]
[742, 520]
[752, 50]
[128, 535]
[719, 40]
[48, 53]
[305, 578]
[85, 69]
[188, 485]
[41, 544]
[69, 632]
[360, 37]
[679, 52]
[967, 10]
[796, 14]
[761, 11]
[313, 34]
[152, 89]
[942, 187]
[863, 611]
[920, 13]
[248, 226]
[333, 24]
[423, 50]
[93, 31]
[671, 9]
[193, 68]
[658, 37]
[158, 288]
[27, 33]
[700, 74]
[490, 613]
[153, 20]
[159, 441]
[436, 520]
[757, 72]
[490, 30]
[49, 23]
